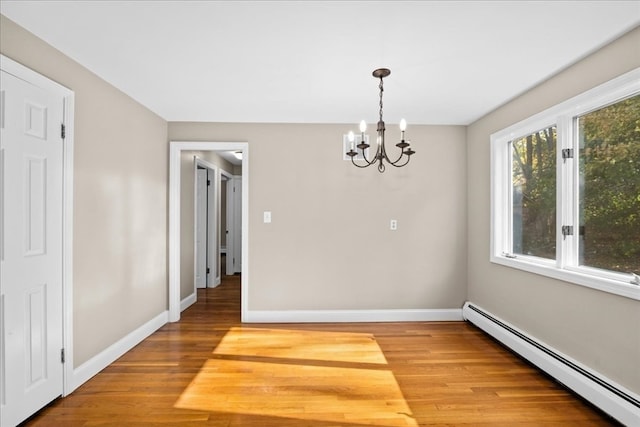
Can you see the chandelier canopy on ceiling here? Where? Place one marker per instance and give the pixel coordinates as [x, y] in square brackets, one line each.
[381, 152]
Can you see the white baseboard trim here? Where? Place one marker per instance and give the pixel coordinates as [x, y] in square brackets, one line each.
[620, 403]
[87, 370]
[326, 316]
[188, 301]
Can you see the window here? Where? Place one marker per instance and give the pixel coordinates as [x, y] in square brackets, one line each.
[533, 180]
[609, 186]
[565, 194]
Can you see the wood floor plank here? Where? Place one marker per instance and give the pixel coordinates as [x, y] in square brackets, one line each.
[211, 370]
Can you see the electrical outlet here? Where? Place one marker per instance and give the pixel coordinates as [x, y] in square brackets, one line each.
[393, 225]
[266, 217]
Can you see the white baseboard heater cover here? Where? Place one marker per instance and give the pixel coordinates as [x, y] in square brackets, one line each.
[613, 399]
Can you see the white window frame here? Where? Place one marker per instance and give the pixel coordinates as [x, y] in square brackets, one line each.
[563, 116]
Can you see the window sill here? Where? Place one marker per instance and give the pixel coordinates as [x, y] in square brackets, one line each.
[616, 287]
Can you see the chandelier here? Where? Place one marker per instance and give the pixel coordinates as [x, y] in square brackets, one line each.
[381, 152]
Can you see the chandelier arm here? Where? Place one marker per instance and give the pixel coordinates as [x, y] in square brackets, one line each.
[373, 159]
[402, 154]
[396, 162]
[361, 166]
[364, 157]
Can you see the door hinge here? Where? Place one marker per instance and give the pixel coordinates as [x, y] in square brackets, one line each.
[567, 153]
[208, 270]
[63, 132]
[62, 355]
[208, 182]
[567, 230]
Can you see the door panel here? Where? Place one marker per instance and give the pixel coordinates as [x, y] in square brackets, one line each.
[35, 171]
[237, 224]
[213, 229]
[31, 241]
[230, 223]
[36, 316]
[201, 228]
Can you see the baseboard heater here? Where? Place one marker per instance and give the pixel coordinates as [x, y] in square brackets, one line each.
[611, 398]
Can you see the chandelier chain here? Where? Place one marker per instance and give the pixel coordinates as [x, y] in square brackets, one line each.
[381, 90]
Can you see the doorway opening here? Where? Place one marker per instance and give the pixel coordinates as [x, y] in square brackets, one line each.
[236, 246]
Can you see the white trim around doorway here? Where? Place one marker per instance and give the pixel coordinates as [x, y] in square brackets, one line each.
[175, 150]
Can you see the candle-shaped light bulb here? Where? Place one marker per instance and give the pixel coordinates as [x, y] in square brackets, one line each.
[403, 125]
[352, 139]
[363, 126]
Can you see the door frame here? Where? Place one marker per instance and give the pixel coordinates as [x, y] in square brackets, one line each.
[67, 95]
[175, 150]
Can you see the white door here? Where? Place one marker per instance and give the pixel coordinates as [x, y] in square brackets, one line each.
[230, 223]
[237, 224]
[201, 228]
[31, 156]
[213, 226]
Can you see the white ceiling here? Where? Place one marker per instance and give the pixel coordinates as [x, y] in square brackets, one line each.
[311, 61]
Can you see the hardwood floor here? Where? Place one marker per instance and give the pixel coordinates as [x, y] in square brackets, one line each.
[211, 370]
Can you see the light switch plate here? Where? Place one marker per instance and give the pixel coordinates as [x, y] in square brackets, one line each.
[266, 217]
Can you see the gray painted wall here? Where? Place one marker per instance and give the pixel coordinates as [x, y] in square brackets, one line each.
[120, 199]
[329, 246]
[595, 328]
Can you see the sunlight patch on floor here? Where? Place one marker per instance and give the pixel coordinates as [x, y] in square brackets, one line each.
[319, 376]
[310, 345]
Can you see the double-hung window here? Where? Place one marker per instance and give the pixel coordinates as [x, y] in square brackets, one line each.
[565, 190]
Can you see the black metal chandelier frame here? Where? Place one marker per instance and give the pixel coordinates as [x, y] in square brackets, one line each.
[381, 152]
